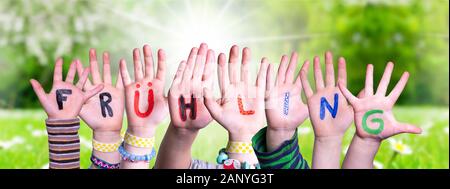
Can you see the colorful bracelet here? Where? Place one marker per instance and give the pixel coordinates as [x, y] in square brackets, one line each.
[126, 156]
[226, 163]
[105, 147]
[101, 164]
[139, 141]
[240, 147]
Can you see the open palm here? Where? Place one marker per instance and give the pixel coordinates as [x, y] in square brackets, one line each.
[373, 112]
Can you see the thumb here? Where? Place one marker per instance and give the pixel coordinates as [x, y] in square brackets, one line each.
[92, 92]
[40, 93]
[408, 128]
[213, 107]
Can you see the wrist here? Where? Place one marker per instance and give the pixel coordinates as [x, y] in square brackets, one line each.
[144, 132]
[240, 137]
[106, 136]
[329, 140]
[276, 136]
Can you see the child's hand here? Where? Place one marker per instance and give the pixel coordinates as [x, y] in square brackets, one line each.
[329, 111]
[284, 107]
[241, 107]
[373, 112]
[187, 109]
[104, 112]
[285, 110]
[64, 100]
[145, 102]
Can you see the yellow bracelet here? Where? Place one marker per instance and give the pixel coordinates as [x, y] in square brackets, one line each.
[138, 141]
[240, 147]
[105, 147]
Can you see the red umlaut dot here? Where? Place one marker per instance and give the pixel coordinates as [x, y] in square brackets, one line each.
[149, 84]
[137, 85]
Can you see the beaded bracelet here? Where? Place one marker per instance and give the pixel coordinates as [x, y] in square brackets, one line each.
[126, 156]
[101, 164]
[226, 163]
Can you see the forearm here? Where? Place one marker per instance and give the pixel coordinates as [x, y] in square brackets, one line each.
[147, 134]
[110, 155]
[361, 153]
[326, 153]
[175, 149]
[64, 143]
[276, 137]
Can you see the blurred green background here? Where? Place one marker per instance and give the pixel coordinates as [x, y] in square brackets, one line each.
[412, 33]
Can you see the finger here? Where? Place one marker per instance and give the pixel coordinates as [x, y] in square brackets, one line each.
[148, 60]
[347, 94]
[124, 73]
[187, 74]
[224, 80]
[304, 79]
[57, 74]
[407, 128]
[200, 60]
[342, 72]
[119, 81]
[281, 74]
[361, 94]
[246, 58]
[106, 68]
[208, 70]
[40, 93]
[92, 92]
[83, 78]
[71, 73]
[213, 107]
[318, 74]
[398, 89]
[270, 83]
[233, 64]
[179, 74]
[161, 73]
[94, 67]
[80, 69]
[138, 72]
[369, 81]
[329, 70]
[298, 83]
[291, 68]
[262, 76]
[384, 82]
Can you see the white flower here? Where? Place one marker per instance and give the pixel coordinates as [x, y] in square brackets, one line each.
[38, 133]
[378, 165]
[399, 147]
[446, 130]
[85, 142]
[45, 166]
[15, 141]
[303, 130]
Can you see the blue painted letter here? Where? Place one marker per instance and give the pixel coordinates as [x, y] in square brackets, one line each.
[333, 111]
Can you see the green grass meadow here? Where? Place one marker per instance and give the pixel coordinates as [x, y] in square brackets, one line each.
[23, 140]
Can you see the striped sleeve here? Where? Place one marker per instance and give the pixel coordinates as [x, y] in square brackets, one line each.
[63, 143]
[287, 156]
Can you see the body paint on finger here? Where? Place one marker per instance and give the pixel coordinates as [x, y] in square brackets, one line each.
[60, 96]
[191, 106]
[150, 101]
[324, 103]
[241, 108]
[104, 104]
[286, 103]
[374, 120]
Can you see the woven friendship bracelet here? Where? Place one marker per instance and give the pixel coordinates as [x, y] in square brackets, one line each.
[105, 147]
[240, 147]
[138, 141]
[102, 164]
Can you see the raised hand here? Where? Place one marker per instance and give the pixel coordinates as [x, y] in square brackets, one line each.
[145, 101]
[104, 112]
[373, 112]
[187, 108]
[241, 107]
[329, 111]
[285, 110]
[65, 99]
